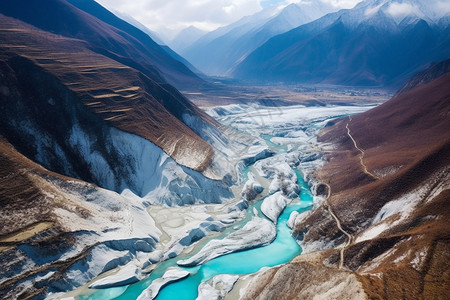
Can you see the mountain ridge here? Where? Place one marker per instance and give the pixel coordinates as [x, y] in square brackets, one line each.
[218, 52]
[357, 47]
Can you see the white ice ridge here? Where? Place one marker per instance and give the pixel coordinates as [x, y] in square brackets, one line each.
[217, 287]
[171, 275]
[273, 205]
[256, 233]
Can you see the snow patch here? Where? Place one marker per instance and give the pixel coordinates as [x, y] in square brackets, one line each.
[217, 287]
[171, 275]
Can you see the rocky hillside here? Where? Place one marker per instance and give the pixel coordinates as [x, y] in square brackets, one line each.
[54, 84]
[86, 113]
[382, 233]
[53, 226]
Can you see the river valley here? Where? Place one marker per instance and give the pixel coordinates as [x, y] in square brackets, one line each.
[289, 135]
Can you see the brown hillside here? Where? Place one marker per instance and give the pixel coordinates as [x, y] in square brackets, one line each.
[117, 93]
[406, 148]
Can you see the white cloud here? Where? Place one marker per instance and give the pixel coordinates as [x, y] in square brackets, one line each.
[343, 3]
[160, 15]
[442, 8]
[177, 14]
[402, 9]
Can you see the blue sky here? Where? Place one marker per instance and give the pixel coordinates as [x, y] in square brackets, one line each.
[270, 2]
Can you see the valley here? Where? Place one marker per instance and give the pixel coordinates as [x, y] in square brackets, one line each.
[289, 132]
[254, 150]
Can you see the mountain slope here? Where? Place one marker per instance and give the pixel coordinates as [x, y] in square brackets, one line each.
[87, 20]
[366, 45]
[218, 52]
[80, 122]
[395, 209]
[118, 94]
[55, 226]
[185, 38]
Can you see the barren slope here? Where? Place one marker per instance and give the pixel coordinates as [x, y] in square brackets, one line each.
[54, 226]
[117, 93]
[398, 220]
[107, 35]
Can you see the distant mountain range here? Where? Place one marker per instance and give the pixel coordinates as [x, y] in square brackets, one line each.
[186, 38]
[219, 51]
[378, 42]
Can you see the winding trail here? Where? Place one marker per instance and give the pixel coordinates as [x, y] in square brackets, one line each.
[338, 224]
[361, 157]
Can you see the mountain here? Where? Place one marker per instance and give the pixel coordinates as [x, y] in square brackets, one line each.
[130, 25]
[91, 135]
[96, 25]
[387, 175]
[185, 38]
[219, 51]
[94, 83]
[157, 38]
[378, 42]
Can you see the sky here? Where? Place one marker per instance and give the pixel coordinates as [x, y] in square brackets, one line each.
[174, 15]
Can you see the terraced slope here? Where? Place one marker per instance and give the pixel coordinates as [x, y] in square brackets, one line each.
[114, 92]
[107, 35]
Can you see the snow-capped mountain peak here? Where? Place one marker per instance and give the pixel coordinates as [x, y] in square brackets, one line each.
[398, 10]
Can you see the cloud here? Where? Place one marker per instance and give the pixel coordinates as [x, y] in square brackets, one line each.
[160, 15]
[442, 8]
[177, 14]
[402, 9]
[343, 3]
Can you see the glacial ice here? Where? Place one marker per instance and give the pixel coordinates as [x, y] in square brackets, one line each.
[217, 287]
[143, 168]
[127, 275]
[257, 232]
[171, 275]
[274, 205]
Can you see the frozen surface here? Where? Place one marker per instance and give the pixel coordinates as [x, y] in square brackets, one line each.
[217, 287]
[171, 275]
[273, 205]
[257, 232]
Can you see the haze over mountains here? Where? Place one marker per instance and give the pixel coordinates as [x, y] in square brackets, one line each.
[378, 42]
[218, 52]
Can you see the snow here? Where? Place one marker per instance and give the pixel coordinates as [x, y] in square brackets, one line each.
[280, 171]
[372, 232]
[292, 219]
[257, 232]
[171, 275]
[251, 188]
[145, 169]
[217, 287]
[125, 276]
[181, 226]
[274, 205]
[419, 259]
